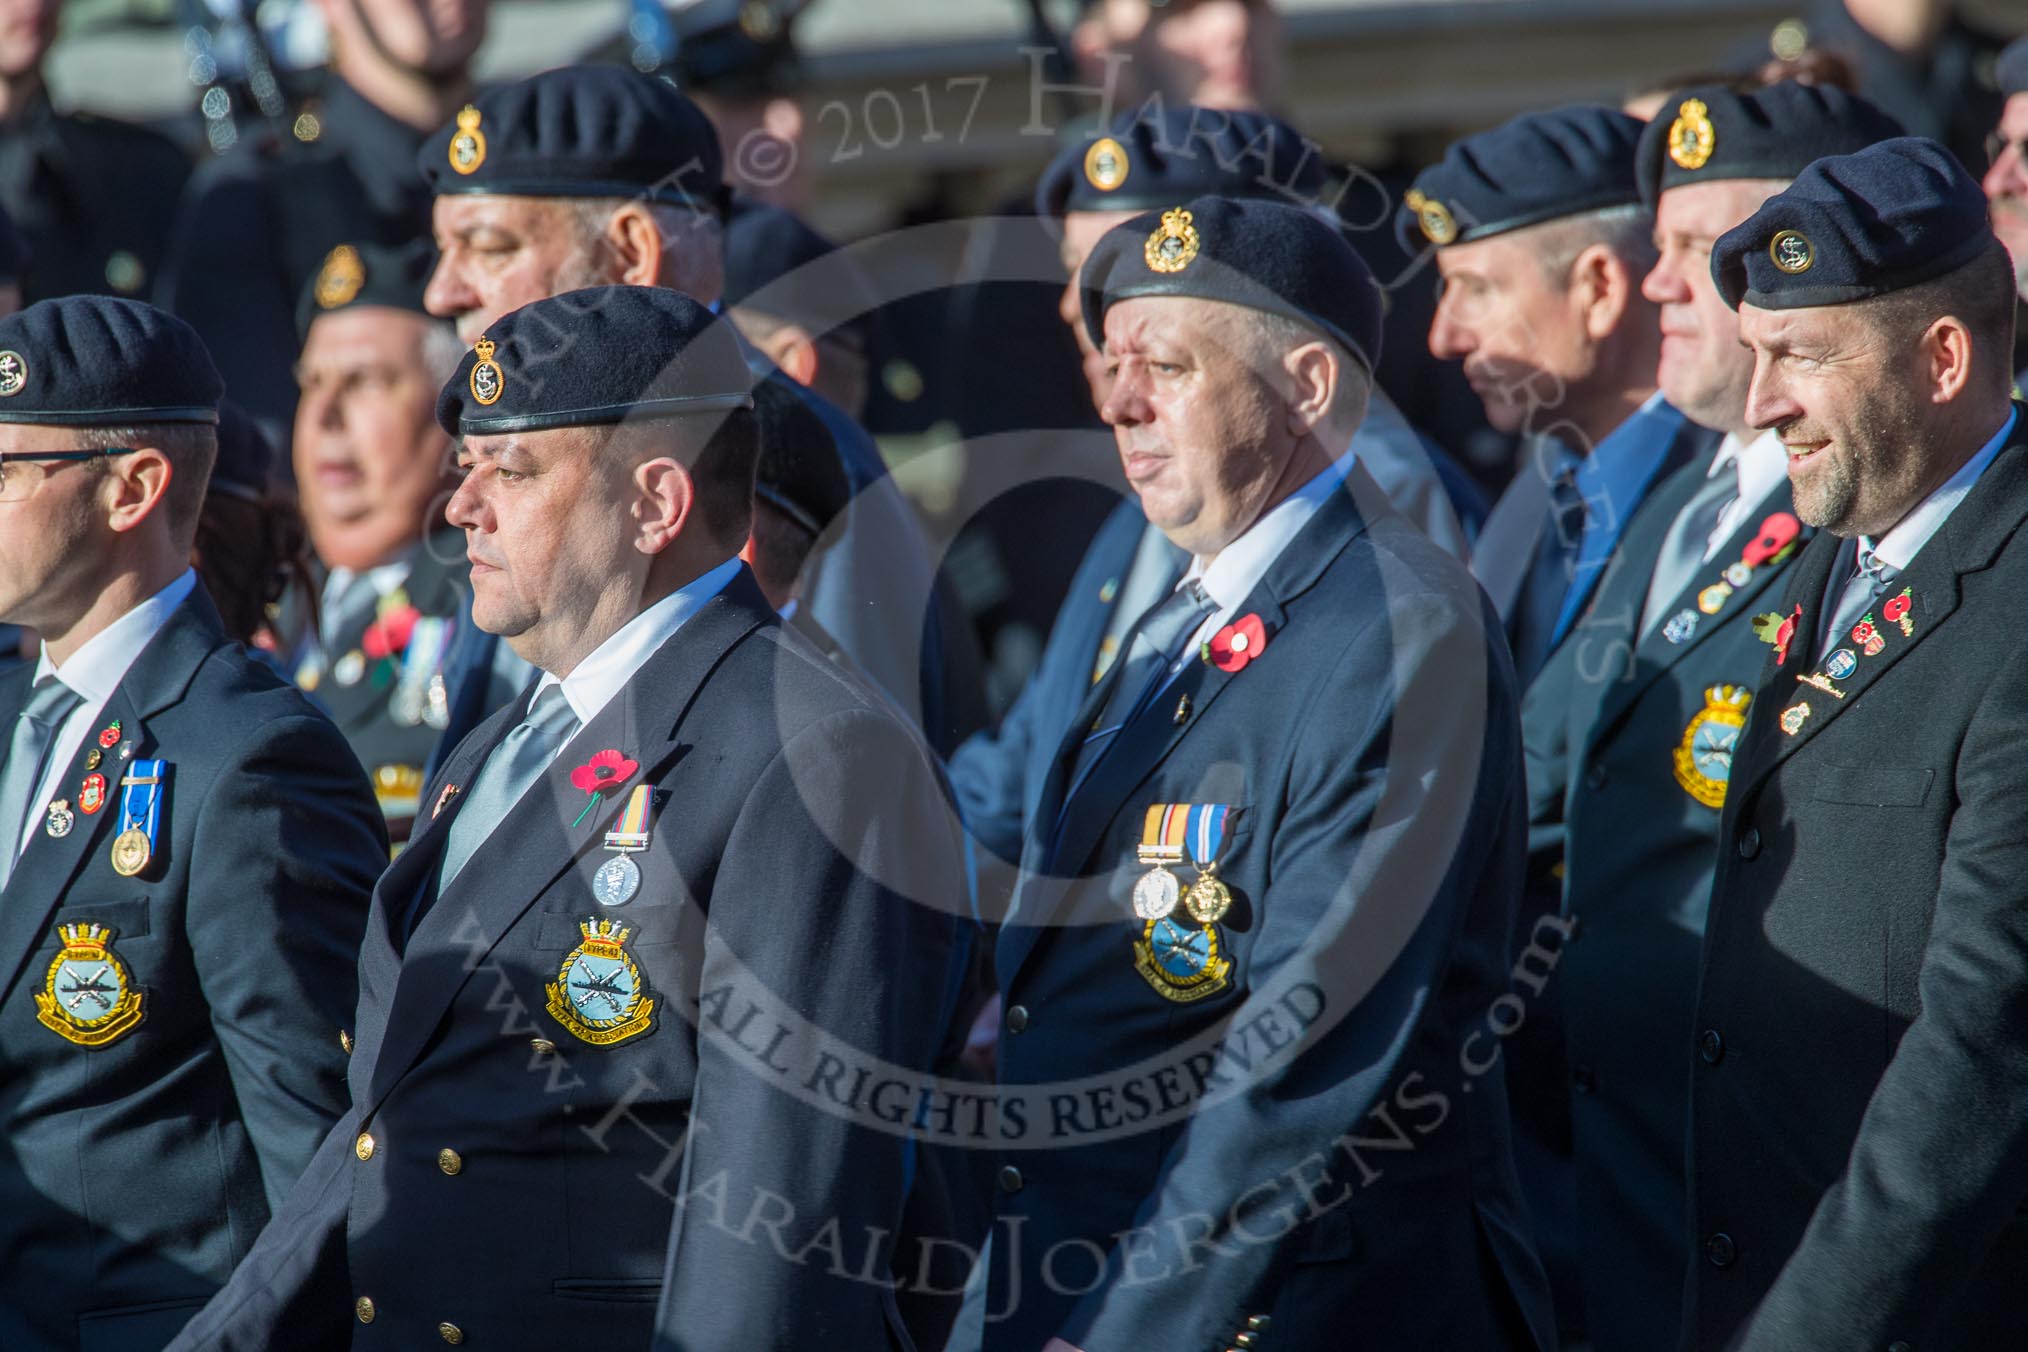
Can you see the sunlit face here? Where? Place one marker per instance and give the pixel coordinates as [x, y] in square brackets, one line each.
[1846, 403]
[433, 36]
[545, 517]
[498, 254]
[27, 27]
[2006, 184]
[51, 529]
[1517, 330]
[1703, 371]
[1199, 421]
[1081, 233]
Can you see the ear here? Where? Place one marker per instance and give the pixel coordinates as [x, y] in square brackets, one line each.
[1601, 288]
[134, 486]
[1313, 386]
[793, 349]
[667, 496]
[1946, 354]
[636, 242]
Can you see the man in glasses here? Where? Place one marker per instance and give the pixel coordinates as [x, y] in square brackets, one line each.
[186, 853]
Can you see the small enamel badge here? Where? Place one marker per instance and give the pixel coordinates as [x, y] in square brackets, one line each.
[599, 994]
[1692, 138]
[1704, 756]
[1173, 244]
[1792, 251]
[1792, 718]
[488, 380]
[61, 820]
[13, 374]
[1105, 164]
[1435, 219]
[444, 798]
[467, 150]
[339, 280]
[87, 996]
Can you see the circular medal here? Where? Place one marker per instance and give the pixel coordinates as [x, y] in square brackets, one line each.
[1739, 574]
[406, 705]
[130, 852]
[617, 881]
[349, 668]
[60, 819]
[1208, 900]
[1156, 894]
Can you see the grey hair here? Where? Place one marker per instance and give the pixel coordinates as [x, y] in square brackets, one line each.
[1273, 335]
[1628, 231]
[693, 241]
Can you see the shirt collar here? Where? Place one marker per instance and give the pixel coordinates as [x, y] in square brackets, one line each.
[96, 669]
[592, 684]
[1619, 467]
[1230, 577]
[1761, 463]
[1900, 545]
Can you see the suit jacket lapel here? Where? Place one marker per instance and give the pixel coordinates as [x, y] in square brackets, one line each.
[1513, 530]
[535, 842]
[157, 680]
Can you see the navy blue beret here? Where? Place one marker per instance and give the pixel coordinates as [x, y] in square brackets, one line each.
[1159, 155]
[2010, 72]
[603, 355]
[799, 473]
[354, 275]
[13, 250]
[104, 361]
[1713, 132]
[1263, 255]
[1894, 215]
[582, 131]
[1537, 167]
[246, 458]
[777, 264]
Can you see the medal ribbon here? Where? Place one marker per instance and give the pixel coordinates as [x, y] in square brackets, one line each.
[141, 799]
[632, 829]
[1207, 832]
[1162, 831]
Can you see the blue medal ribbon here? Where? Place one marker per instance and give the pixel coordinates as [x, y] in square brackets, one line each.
[1205, 832]
[141, 799]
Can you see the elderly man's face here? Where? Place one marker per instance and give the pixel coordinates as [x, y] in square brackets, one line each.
[2006, 184]
[370, 459]
[1845, 401]
[51, 527]
[1515, 328]
[1201, 425]
[1704, 371]
[1081, 233]
[545, 530]
[501, 253]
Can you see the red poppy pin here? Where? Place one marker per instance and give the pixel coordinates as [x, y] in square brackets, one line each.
[1772, 628]
[1232, 647]
[389, 633]
[602, 774]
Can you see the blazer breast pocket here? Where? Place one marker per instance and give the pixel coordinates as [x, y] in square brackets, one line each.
[1874, 785]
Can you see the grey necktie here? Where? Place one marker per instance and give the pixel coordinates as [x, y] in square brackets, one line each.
[1152, 646]
[1151, 576]
[1683, 550]
[27, 758]
[516, 763]
[349, 607]
[1869, 582]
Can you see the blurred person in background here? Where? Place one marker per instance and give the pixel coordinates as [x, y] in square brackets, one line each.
[1215, 53]
[256, 224]
[804, 303]
[94, 197]
[252, 550]
[2006, 179]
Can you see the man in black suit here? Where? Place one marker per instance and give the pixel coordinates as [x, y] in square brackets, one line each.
[186, 853]
[1630, 743]
[1859, 1093]
[656, 915]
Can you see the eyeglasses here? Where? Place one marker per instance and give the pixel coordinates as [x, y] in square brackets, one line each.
[15, 486]
[1998, 145]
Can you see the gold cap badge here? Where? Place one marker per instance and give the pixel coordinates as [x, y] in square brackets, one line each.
[1791, 251]
[1105, 164]
[488, 380]
[339, 280]
[468, 145]
[1438, 225]
[1172, 246]
[1692, 138]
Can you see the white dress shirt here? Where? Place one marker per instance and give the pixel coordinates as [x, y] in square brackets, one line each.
[592, 684]
[1762, 465]
[95, 671]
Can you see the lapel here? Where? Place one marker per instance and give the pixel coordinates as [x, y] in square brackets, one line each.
[1145, 743]
[535, 842]
[1970, 537]
[1654, 654]
[158, 679]
[1513, 530]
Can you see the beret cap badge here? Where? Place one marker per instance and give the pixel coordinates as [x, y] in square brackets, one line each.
[1438, 225]
[468, 147]
[488, 380]
[13, 374]
[339, 280]
[1105, 164]
[1791, 251]
[1174, 243]
[1692, 138]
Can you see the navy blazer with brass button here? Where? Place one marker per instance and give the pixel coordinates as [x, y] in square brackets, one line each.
[136, 1173]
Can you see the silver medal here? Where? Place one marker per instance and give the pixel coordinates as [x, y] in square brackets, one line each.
[617, 881]
[1156, 894]
[437, 704]
[60, 820]
[348, 669]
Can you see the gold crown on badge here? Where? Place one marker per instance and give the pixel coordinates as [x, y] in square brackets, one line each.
[1692, 138]
[1174, 242]
[1438, 225]
[488, 381]
[468, 146]
[339, 280]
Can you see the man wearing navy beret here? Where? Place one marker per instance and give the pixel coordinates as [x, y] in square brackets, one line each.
[186, 852]
[645, 905]
[593, 175]
[1629, 749]
[1266, 892]
[1859, 1093]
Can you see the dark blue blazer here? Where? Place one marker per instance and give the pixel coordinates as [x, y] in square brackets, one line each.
[1623, 832]
[1181, 1170]
[803, 863]
[136, 1173]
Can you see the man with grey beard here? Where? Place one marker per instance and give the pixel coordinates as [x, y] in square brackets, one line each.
[1860, 1086]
